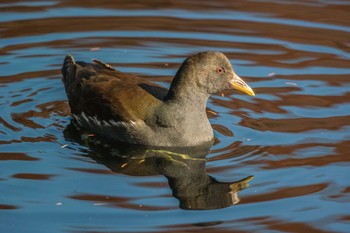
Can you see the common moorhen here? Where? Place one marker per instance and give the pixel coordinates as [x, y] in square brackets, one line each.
[124, 107]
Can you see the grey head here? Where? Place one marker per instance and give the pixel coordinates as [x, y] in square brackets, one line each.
[204, 74]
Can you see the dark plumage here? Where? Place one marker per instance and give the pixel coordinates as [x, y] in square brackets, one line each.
[126, 108]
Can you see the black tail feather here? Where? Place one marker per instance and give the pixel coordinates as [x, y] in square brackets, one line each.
[68, 70]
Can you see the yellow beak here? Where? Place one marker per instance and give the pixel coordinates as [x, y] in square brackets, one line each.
[238, 84]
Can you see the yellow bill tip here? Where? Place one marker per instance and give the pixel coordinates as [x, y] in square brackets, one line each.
[238, 84]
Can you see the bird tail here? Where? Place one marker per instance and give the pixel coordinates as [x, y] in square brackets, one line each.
[68, 70]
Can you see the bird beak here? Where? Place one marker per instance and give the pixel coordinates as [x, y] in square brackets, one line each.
[238, 84]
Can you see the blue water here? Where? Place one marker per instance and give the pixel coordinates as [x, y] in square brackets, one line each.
[293, 136]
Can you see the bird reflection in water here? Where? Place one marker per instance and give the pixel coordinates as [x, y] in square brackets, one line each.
[183, 167]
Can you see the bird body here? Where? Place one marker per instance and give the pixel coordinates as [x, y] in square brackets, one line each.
[126, 108]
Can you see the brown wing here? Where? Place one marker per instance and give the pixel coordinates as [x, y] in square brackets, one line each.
[99, 90]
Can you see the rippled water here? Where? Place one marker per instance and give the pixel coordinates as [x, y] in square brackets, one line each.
[293, 136]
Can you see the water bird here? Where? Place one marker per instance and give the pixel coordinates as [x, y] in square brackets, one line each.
[124, 107]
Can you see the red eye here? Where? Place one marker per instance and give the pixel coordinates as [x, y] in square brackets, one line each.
[220, 70]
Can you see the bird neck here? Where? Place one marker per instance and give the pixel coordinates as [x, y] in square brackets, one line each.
[187, 98]
[185, 92]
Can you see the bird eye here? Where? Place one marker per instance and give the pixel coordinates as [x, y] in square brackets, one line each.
[220, 70]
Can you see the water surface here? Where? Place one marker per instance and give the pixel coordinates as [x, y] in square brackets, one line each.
[293, 136]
